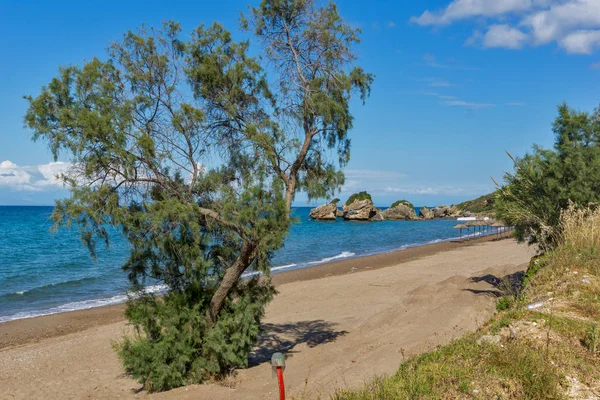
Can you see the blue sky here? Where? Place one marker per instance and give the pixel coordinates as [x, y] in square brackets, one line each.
[457, 83]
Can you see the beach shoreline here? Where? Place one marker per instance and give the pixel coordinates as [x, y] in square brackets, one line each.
[19, 332]
[339, 324]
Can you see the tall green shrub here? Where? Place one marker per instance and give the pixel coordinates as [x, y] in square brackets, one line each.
[546, 181]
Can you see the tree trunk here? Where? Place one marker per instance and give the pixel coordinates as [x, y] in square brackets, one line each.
[235, 271]
[232, 274]
[289, 195]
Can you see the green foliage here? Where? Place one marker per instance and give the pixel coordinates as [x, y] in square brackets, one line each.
[175, 345]
[334, 201]
[405, 202]
[358, 197]
[546, 181]
[182, 145]
[483, 204]
[310, 48]
[504, 303]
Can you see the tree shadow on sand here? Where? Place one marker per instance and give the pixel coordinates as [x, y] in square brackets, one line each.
[284, 337]
[508, 285]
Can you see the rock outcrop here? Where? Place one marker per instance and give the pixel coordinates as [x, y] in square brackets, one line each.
[445, 212]
[379, 216]
[326, 212]
[400, 210]
[359, 210]
[426, 213]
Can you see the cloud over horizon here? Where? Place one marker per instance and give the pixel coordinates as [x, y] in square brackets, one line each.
[32, 178]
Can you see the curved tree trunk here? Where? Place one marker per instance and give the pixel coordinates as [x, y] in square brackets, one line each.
[232, 274]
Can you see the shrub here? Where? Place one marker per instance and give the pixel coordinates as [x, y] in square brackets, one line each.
[503, 303]
[546, 181]
[405, 202]
[176, 344]
[358, 197]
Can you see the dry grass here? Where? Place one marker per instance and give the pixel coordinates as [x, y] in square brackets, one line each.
[580, 227]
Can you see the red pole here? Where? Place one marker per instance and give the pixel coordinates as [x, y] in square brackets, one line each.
[281, 384]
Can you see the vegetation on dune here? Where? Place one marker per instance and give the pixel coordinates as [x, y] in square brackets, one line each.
[551, 352]
[358, 197]
[546, 181]
[483, 204]
[195, 154]
[405, 202]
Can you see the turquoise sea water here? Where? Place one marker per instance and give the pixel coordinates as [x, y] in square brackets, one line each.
[43, 272]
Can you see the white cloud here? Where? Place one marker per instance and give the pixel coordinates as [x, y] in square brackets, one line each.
[463, 9]
[11, 176]
[31, 178]
[572, 24]
[430, 60]
[391, 24]
[499, 35]
[581, 42]
[453, 101]
[595, 65]
[515, 104]
[445, 190]
[468, 104]
[437, 82]
[562, 16]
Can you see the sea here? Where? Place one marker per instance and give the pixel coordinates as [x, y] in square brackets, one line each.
[46, 272]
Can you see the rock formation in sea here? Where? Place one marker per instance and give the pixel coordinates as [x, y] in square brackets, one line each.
[401, 209]
[445, 212]
[359, 207]
[426, 213]
[326, 212]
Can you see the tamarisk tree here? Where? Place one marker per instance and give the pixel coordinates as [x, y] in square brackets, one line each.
[194, 151]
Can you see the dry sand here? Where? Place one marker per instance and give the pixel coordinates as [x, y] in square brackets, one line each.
[339, 324]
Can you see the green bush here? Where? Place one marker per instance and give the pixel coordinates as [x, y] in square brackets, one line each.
[483, 204]
[175, 345]
[405, 202]
[358, 197]
[546, 181]
[504, 303]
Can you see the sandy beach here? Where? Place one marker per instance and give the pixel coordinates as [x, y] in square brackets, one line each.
[339, 324]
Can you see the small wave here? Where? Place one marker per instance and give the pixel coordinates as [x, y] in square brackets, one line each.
[53, 288]
[343, 254]
[83, 304]
[73, 306]
[153, 289]
[274, 269]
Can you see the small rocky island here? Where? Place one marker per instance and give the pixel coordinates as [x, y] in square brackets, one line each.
[360, 207]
